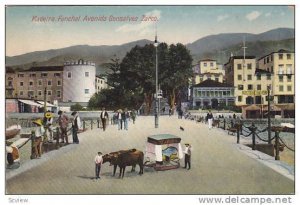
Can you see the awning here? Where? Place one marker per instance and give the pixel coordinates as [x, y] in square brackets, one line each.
[252, 107]
[47, 104]
[30, 102]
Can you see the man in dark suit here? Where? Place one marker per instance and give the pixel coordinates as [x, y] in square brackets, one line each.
[103, 116]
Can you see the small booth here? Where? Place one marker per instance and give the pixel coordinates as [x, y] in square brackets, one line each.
[163, 152]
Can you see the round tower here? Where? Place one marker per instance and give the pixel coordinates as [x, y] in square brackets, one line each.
[78, 81]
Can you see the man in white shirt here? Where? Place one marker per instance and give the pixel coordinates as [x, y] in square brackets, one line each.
[76, 124]
[98, 163]
[187, 156]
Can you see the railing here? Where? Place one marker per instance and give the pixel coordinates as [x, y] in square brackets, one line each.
[237, 127]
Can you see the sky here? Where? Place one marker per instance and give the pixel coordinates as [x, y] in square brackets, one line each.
[36, 28]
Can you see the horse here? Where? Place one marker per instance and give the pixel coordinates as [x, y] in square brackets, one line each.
[125, 158]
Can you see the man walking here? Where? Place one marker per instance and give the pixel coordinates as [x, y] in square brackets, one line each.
[98, 163]
[63, 121]
[187, 156]
[103, 116]
[209, 119]
[76, 124]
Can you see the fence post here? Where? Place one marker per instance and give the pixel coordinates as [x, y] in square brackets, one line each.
[91, 124]
[57, 138]
[238, 134]
[98, 123]
[253, 128]
[277, 157]
[32, 156]
[224, 128]
[83, 124]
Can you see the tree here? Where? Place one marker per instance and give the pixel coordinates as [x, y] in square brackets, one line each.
[76, 107]
[175, 76]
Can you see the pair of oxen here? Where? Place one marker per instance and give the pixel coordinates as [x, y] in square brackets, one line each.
[125, 158]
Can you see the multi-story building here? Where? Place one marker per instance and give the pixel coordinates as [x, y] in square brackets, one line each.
[208, 70]
[212, 94]
[101, 83]
[73, 82]
[281, 65]
[32, 83]
[250, 84]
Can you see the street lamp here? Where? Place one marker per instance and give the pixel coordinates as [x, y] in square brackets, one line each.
[269, 115]
[156, 114]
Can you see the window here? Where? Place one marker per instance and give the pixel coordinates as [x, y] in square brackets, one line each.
[69, 74]
[289, 69]
[211, 64]
[281, 88]
[30, 83]
[240, 87]
[49, 92]
[49, 82]
[288, 56]
[239, 66]
[272, 69]
[86, 91]
[280, 56]
[10, 83]
[39, 92]
[32, 75]
[268, 59]
[258, 87]
[44, 75]
[271, 57]
[217, 79]
[56, 74]
[40, 83]
[21, 93]
[21, 83]
[58, 83]
[268, 77]
[87, 74]
[21, 75]
[249, 77]
[201, 79]
[249, 66]
[30, 93]
[264, 61]
[250, 87]
[58, 94]
[208, 78]
[289, 78]
[280, 78]
[239, 77]
[101, 81]
[204, 64]
[258, 77]
[289, 88]
[280, 69]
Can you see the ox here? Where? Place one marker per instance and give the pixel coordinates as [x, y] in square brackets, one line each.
[125, 158]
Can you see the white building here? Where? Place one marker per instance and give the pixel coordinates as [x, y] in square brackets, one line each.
[101, 83]
[78, 81]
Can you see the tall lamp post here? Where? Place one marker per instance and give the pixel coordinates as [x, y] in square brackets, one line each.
[156, 84]
[269, 116]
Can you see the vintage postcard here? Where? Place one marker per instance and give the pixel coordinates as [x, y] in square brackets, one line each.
[145, 100]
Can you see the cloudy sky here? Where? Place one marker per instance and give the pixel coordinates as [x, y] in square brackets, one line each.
[34, 28]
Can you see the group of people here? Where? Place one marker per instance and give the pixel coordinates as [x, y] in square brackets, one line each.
[122, 118]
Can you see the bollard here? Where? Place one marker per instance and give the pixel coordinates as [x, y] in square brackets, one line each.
[32, 156]
[253, 128]
[98, 123]
[91, 124]
[277, 157]
[57, 138]
[224, 128]
[83, 125]
[238, 135]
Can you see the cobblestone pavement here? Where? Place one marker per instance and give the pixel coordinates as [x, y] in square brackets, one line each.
[218, 166]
